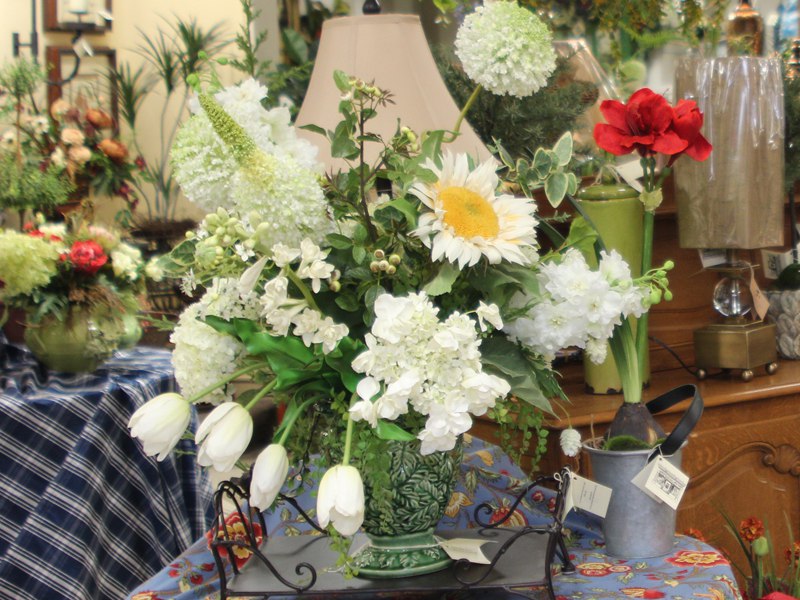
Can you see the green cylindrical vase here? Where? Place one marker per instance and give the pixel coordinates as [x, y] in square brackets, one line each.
[618, 215]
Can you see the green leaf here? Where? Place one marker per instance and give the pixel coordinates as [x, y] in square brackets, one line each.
[347, 302]
[563, 149]
[387, 430]
[294, 45]
[342, 145]
[507, 159]
[314, 128]
[341, 362]
[542, 163]
[443, 282]
[505, 359]
[359, 254]
[339, 241]
[404, 207]
[555, 188]
[582, 236]
[572, 184]
[342, 80]
[292, 349]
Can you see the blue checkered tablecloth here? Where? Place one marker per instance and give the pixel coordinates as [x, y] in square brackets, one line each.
[84, 514]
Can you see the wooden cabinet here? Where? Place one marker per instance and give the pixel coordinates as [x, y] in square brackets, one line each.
[743, 457]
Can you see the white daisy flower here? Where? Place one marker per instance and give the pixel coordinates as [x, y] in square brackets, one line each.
[466, 220]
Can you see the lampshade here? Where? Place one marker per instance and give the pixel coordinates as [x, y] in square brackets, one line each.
[735, 198]
[391, 50]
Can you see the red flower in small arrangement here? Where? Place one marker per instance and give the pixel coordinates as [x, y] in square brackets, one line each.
[236, 530]
[751, 529]
[793, 554]
[87, 257]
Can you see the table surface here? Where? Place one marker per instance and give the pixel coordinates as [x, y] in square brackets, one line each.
[83, 512]
[693, 569]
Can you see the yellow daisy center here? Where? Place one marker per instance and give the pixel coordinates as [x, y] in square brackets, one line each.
[468, 213]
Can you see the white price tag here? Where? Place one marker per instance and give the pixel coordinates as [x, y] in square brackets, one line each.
[662, 481]
[711, 257]
[631, 172]
[586, 495]
[760, 301]
[469, 549]
[775, 262]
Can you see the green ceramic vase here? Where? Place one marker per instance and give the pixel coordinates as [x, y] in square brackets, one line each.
[400, 525]
[618, 215]
[77, 344]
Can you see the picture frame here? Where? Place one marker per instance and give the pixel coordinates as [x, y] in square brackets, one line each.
[91, 79]
[56, 16]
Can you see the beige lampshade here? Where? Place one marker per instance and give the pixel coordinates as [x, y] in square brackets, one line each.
[392, 51]
[735, 198]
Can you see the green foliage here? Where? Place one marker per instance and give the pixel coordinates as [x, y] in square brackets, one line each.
[791, 98]
[25, 186]
[20, 78]
[520, 124]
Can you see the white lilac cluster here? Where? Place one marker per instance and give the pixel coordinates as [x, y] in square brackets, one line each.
[279, 190]
[202, 355]
[414, 360]
[578, 306]
[506, 48]
[281, 312]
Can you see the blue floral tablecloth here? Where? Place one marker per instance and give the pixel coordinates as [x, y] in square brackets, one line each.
[693, 570]
[84, 513]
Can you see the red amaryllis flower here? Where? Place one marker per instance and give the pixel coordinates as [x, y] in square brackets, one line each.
[87, 257]
[643, 124]
[751, 529]
[687, 124]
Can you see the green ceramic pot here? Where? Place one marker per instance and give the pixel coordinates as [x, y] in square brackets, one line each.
[77, 344]
[131, 331]
[618, 215]
[400, 527]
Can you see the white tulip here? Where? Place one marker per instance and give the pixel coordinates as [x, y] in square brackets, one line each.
[340, 499]
[160, 423]
[269, 473]
[223, 436]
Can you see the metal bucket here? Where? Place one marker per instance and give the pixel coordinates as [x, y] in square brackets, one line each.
[635, 526]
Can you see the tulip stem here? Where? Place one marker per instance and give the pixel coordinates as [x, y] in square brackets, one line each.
[349, 435]
[291, 418]
[261, 393]
[226, 380]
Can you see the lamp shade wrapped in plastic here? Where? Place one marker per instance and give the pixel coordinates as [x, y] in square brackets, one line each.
[735, 198]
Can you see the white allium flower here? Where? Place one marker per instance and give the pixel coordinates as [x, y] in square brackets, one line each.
[466, 220]
[224, 298]
[506, 48]
[570, 440]
[202, 355]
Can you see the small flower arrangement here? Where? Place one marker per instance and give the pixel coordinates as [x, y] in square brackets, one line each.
[46, 269]
[768, 576]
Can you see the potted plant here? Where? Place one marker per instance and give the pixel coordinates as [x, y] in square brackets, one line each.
[77, 285]
[637, 526]
[29, 179]
[377, 321]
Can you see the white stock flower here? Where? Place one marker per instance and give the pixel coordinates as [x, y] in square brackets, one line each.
[306, 325]
[283, 255]
[570, 440]
[329, 334]
[269, 474]
[489, 313]
[160, 423]
[275, 294]
[316, 272]
[223, 436]
[340, 499]
[466, 220]
[506, 48]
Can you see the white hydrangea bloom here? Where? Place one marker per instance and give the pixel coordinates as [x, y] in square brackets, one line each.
[506, 48]
[202, 356]
[414, 360]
